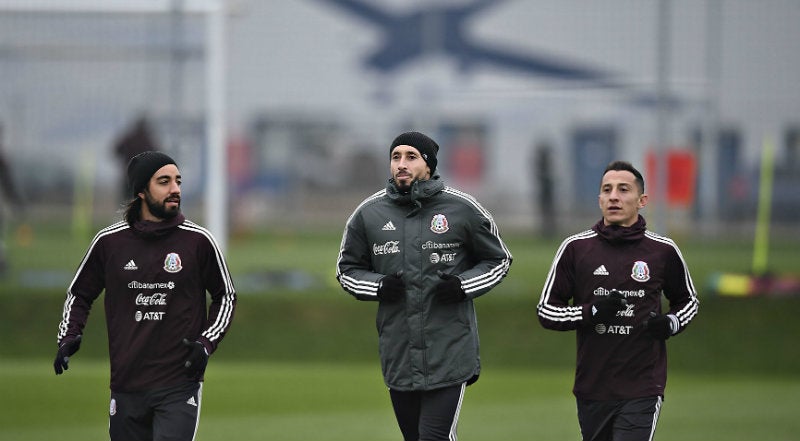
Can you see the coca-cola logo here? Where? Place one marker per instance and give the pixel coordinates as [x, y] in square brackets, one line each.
[157, 299]
[391, 247]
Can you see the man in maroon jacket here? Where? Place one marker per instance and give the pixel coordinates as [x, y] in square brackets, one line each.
[606, 283]
[156, 268]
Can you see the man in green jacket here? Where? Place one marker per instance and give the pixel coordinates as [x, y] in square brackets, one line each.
[424, 251]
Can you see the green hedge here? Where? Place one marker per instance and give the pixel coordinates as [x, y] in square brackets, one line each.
[291, 308]
[729, 335]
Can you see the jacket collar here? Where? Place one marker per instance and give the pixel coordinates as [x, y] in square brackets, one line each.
[618, 234]
[148, 229]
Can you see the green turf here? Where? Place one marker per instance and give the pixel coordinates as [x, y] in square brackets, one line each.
[301, 362]
[347, 401]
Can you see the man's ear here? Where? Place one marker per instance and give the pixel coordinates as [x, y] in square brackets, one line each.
[643, 199]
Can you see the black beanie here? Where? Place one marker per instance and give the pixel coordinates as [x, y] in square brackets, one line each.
[142, 167]
[426, 146]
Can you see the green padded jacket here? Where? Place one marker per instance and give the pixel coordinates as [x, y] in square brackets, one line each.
[431, 230]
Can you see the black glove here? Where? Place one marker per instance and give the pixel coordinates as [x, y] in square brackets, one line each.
[661, 327]
[197, 359]
[392, 288]
[606, 308]
[449, 289]
[68, 347]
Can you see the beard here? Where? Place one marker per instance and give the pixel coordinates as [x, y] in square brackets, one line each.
[404, 187]
[159, 209]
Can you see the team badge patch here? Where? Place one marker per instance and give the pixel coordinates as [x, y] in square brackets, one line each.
[439, 224]
[172, 264]
[112, 407]
[640, 271]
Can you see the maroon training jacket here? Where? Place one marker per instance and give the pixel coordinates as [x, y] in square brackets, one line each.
[617, 360]
[155, 276]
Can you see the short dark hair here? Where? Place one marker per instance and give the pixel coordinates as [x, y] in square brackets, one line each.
[626, 166]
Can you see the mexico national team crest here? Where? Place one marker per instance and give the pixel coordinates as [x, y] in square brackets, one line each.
[172, 264]
[640, 271]
[439, 224]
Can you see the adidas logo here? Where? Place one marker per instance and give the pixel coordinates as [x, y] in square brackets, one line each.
[601, 271]
[191, 401]
[388, 227]
[130, 266]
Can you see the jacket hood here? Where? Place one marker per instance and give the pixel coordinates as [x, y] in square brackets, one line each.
[420, 190]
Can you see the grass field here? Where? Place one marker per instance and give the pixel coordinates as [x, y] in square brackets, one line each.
[300, 362]
[346, 402]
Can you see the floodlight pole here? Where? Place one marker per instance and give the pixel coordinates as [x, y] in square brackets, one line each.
[709, 141]
[216, 194]
[662, 116]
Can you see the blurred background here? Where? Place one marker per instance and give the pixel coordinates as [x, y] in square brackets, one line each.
[280, 114]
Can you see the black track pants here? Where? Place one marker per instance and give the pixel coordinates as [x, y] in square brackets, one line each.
[162, 415]
[623, 420]
[428, 415]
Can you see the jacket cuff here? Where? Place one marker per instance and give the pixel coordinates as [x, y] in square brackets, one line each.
[674, 324]
[209, 347]
[586, 314]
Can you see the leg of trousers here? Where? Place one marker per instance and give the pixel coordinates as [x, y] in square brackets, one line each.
[428, 415]
[623, 420]
[162, 415]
